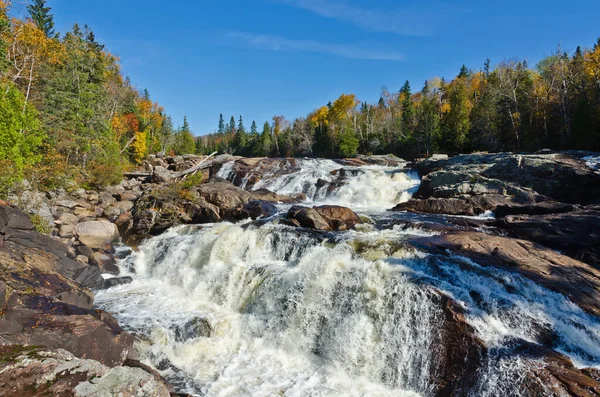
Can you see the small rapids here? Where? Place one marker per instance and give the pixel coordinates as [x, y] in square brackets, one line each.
[369, 187]
[271, 310]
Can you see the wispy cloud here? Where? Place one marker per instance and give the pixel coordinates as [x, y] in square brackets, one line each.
[409, 21]
[278, 43]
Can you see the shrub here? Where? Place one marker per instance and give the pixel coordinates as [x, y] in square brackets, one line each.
[41, 224]
[192, 180]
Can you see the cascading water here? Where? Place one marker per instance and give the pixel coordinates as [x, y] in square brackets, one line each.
[248, 310]
[373, 187]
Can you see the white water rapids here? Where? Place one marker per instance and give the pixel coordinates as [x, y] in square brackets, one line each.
[296, 313]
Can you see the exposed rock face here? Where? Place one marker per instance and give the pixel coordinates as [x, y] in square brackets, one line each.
[96, 234]
[576, 280]
[32, 371]
[327, 217]
[43, 299]
[472, 184]
[259, 209]
[165, 206]
[575, 233]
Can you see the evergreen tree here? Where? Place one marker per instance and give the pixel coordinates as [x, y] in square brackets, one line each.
[221, 129]
[40, 14]
[240, 141]
[254, 128]
[408, 111]
[241, 125]
[265, 143]
[184, 141]
[231, 126]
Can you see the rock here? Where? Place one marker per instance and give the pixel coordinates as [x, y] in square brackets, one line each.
[194, 328]
[93, 199]
[544, 208]
[556, 272]
[96, 234]
[127, 196]
[112, 212]
[39, 371]
[124, 223]
[106, 199]
[267, 195]
[227, 197]
[106, 263]
[115, 281]
[259, 209]
[339, 218]
[85, 251]
[68, 219]
[124, 205]
[161, 175]
[78, 193]
[328, 217]
[66, 231]
[572, 233]
[70, 204]
[308, 217]
[469, 206]
[33, 202]
[82, 259]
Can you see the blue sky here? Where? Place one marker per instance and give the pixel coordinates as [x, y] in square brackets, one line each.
[259, 58]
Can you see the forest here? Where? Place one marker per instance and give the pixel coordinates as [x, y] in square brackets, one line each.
[68, 114]
[509, 107]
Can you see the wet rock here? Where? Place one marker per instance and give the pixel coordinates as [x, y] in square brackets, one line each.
[557, 272]
[339, 218]
[259, 209]
[308, 217]
[96, 234]
[106, 263]
[194, 328]
[115, 281]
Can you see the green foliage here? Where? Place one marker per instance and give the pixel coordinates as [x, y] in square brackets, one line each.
[40, 14]
[41, 225]
[184, 140]
[20, 132]
[348, 144]
[192, 181]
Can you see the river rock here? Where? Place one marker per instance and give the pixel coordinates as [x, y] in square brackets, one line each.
[105, 262]
[328, 217]
[259, 209]
[115, 281]
[96, 234]
[194, 328]
[68, 219]
[124, 205]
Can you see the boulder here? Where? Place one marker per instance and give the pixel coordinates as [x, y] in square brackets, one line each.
[259, 209]
[39, 371]
[127, 196]
[115, 281]
[161, 175]
[106, 263]
[194, 328]
[96, 234]
[66, 231]
[308, 217]
[124, 205]
[68, 219]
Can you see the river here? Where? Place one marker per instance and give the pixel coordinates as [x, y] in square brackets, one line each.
[266, 309]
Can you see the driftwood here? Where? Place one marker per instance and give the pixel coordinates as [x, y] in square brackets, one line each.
[137, 174]
[205, 164]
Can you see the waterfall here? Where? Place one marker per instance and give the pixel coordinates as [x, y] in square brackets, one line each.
[248, 310]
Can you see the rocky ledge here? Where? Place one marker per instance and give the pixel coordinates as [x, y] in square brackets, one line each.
[46, 301]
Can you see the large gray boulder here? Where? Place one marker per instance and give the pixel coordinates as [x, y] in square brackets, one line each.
[96, 234]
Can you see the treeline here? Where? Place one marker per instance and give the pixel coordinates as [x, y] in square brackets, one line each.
[510, 107]
[67, 113]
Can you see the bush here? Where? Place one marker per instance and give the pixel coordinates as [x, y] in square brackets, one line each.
[41, 224]
[192, 180]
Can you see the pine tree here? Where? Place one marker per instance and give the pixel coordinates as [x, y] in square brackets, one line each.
[184, 141]
[231, 126]
[42, 18]
[241, 125]
[254, 128]
[221, 124]
[408, 111]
